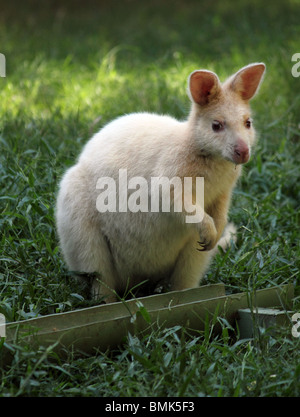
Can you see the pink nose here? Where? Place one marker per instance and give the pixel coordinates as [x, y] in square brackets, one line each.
[241, 152]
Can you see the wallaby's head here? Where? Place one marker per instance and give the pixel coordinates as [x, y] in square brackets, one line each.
[220, 115]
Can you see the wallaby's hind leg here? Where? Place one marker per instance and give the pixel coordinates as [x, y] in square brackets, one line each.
[85, 250]
[84, 247]
[88, 252]
[105, 284]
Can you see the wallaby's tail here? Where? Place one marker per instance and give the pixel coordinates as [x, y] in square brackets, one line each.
[229, 235]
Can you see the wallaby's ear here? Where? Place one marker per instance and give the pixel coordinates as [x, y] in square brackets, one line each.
[247, 80]
[203, 86]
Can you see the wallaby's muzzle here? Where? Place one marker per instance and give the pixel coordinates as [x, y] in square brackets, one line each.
[241, 153]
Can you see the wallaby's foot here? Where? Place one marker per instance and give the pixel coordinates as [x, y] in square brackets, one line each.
[100, 291]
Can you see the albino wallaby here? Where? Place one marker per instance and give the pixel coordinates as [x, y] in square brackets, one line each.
[124, 247]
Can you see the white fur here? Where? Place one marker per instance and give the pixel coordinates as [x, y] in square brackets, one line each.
[126, 248]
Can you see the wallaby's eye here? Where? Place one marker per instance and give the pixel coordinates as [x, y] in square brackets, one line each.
[248, 123]
[217, 126]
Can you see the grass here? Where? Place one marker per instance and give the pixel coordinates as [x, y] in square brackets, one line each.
[71, 69]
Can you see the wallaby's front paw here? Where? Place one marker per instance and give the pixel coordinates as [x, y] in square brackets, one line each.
[205, 246]
[208, 234]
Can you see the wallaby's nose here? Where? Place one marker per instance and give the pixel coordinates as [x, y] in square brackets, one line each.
[241, 152]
